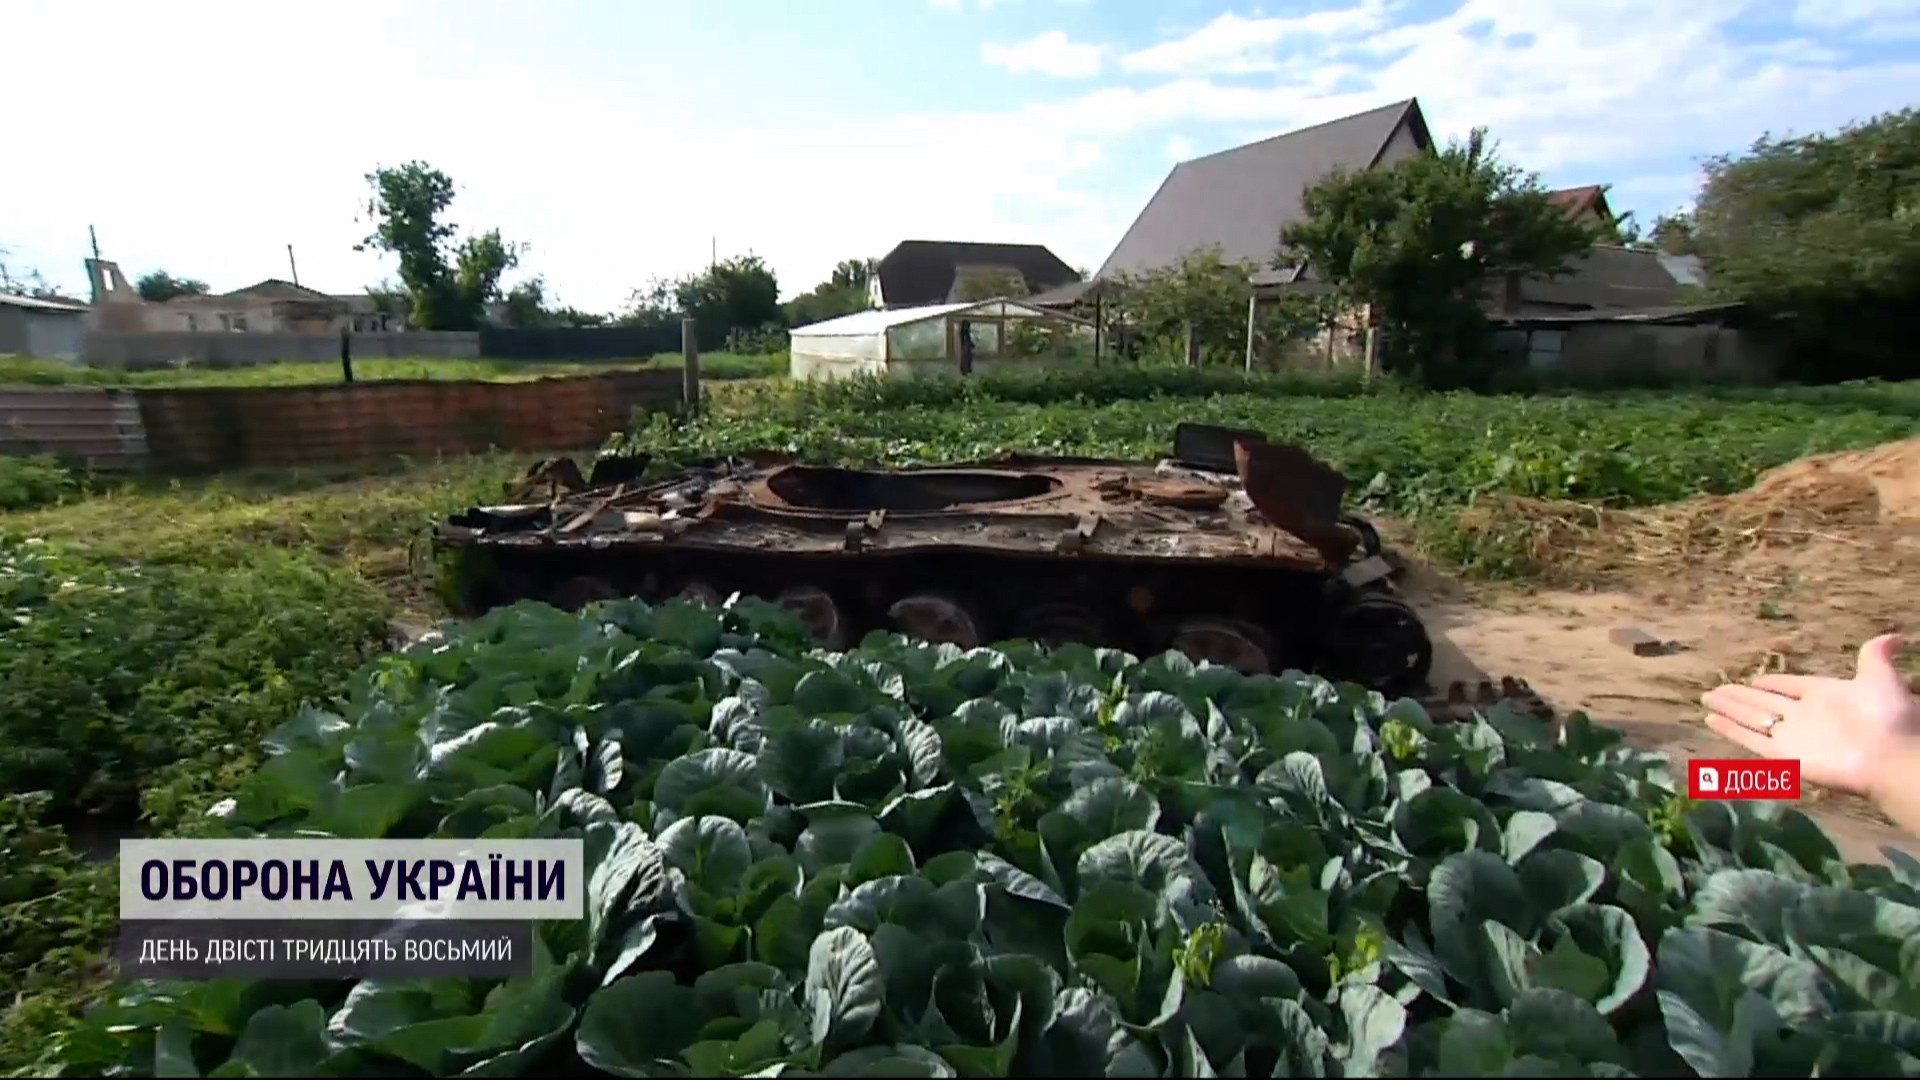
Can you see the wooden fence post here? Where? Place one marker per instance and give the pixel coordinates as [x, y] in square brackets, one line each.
[690, 360]
[1193, 346]
[1253, 304]
[346, 355]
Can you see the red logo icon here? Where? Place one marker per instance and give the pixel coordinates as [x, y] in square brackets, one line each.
[1743, 778]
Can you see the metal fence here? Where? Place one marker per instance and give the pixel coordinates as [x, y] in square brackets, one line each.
[195, 430]
[101, 427]
[585, 343]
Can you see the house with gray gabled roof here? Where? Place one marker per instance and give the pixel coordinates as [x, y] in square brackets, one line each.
[1240, 199]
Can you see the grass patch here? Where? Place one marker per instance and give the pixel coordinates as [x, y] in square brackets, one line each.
[362, 518]
[719, 367]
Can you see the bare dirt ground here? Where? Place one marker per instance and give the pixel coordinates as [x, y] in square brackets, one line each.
[1791, 575]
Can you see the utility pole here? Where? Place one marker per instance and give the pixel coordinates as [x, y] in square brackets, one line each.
[293, 266]
[713, 253]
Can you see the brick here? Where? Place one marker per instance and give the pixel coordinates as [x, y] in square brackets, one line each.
[1637, 641]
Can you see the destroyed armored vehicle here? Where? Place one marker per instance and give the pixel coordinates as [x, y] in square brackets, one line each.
[1233, 549]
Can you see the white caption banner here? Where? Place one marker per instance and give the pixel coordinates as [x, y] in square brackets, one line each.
[301, 878]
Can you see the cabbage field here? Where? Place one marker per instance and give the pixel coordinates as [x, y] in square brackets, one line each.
[1105, 866]
[912, 860]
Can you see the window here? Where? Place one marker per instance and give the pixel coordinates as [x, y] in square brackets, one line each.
[1543, 348]
[226, 322]
[193, 324]
[240, 324]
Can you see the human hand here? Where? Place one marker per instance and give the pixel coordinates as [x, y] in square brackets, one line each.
[1842, 730]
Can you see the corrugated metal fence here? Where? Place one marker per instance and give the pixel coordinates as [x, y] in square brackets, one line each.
[204, 430]
[101, 427]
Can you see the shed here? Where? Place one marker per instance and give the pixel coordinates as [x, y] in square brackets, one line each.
[1723, 342]
[928, 341]
[47, 329]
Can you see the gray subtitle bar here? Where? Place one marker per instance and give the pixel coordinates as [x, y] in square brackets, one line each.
[324, 949]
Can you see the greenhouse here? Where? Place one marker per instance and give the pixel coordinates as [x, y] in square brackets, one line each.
[941, 339]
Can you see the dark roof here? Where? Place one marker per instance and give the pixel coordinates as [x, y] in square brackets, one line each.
[1656, 316]
[57, 304]
[1607, 277]
[1064, 296]
[1239, 199]
[1579, 200]
[920, 272]
[278, 286]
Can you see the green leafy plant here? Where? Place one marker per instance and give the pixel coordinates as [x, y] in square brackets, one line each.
[1409, 453]
[918, 860]
[28, 482]
[115, 681]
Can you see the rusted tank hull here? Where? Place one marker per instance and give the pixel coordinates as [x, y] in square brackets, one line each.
[1181, 554]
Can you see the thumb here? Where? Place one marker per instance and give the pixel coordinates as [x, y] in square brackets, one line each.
[1876, 663]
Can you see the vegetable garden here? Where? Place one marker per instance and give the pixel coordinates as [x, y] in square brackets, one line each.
[1102, 864]
[910, 860]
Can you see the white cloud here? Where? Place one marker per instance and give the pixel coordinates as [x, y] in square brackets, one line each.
[1051, 53]
[1179, 148]
[1234, 45]
[1832, 14]
[1649, 89]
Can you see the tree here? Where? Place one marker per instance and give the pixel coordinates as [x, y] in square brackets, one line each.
[159, 287]
[572, 316]
[652, 304]
[739, 293]
[853, 273]
[1824, 229]
[527, 305]
[1202, 289]
[1423, 240]
[1671, 234]
[844, 292]
[448, 284]
[17, 282]
[390, 302]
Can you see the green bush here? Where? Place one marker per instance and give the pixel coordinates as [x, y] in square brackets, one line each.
[125, 689]
[914, 860]
[29, 482]
[56, 911]
[116, 682]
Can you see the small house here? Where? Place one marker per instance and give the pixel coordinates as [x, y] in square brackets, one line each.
[46, 329]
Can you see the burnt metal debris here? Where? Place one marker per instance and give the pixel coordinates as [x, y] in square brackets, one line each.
[1233, 549]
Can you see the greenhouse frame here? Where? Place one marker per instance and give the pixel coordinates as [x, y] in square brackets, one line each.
[916, 341]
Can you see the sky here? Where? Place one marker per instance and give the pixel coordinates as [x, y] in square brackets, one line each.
[624, 139]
